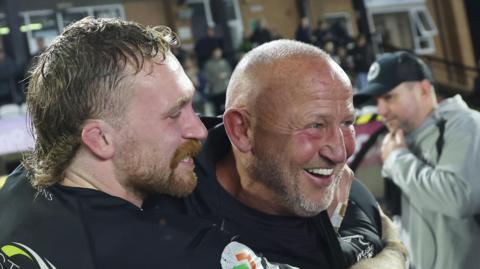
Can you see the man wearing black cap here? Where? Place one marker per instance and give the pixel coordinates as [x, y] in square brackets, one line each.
[431, 153]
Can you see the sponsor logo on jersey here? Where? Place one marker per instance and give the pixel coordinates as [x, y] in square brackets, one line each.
[367, 248]
[45, 193]
[238, 256]
[14, 254]
[2, 181]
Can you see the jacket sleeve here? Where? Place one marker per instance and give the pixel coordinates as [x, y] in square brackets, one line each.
[360, 232]
[450, 187]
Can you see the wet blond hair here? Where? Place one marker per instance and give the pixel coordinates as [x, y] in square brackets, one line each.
[79, 77]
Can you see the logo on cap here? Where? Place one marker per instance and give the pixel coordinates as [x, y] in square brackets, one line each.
[373, 71]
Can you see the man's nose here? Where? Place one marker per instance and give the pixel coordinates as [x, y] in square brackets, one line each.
[333, 147]
[382, 108]
[194, 128]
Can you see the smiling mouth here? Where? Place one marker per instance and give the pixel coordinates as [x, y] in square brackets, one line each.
[320, 172]
[320, 177]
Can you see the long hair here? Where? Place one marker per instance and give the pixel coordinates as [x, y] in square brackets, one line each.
[79, 77]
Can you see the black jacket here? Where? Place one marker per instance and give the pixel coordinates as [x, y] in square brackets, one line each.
[65, 227]
[302, 242]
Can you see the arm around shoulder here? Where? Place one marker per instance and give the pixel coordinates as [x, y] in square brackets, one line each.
[393, 256]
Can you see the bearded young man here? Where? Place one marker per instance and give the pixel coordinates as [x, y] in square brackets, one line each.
[111, 110]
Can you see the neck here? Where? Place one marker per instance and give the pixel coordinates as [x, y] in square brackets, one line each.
[92, 174]
[430, 106]
[248, 191]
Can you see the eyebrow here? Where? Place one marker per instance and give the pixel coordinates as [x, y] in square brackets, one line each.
[180, 103]
[327, 116]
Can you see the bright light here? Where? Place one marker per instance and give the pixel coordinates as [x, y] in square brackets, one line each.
[23, 28]
[31, 27]
[4, 30]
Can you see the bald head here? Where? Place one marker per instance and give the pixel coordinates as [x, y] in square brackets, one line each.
[289, 110]
[267, 68]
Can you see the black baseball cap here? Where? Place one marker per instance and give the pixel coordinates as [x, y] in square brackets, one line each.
[390, 70]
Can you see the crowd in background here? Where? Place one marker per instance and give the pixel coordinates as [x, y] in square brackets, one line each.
[210, 70]
[209, 64]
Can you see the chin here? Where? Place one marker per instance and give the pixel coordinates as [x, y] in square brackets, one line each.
[182, 186]
[306, 213]
[311, 208]
[182, 190]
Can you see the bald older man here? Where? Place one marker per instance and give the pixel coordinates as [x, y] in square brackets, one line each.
[277, 163]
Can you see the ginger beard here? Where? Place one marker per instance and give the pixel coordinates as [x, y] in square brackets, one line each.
[148, 171]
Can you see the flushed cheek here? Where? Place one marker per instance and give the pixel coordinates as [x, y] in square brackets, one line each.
[304, 148]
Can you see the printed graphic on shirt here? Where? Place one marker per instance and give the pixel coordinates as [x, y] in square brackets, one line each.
[2, 181]
[45, 193]
[16, 255]
[366, 247]
[239, 256]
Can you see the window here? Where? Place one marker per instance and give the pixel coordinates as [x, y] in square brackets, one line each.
[40, 27]
[69, 15]
[203, 16]
[44, 25]
[341, 18]
[425, 30]
[404, 27]
[424, 21]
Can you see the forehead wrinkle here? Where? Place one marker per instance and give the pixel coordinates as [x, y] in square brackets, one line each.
[288, 84]
[327, 103]
[267, 109]
[293, 84]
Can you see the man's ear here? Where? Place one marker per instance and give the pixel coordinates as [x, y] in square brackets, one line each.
[97, 137]
[239, 130]
[426, 87]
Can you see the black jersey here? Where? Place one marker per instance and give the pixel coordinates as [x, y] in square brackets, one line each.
[66, 227]
[298, 241]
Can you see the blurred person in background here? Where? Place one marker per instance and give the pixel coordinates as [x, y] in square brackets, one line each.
[205, 46]
[304, 31]
[201, 103]
[261, 34]
[217, 72]
[40, 44]
[329, 48]
[345, 60]
[432, 153]
[322, 33]
[363, 57]
[8, 73]
[340, 34]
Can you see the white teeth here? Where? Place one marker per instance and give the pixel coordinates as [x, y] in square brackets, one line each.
[320, 171]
